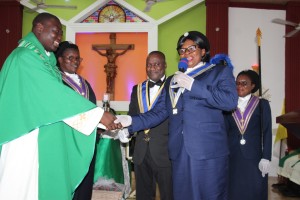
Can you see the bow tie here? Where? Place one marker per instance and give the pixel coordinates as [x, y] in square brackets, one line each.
[152, 84]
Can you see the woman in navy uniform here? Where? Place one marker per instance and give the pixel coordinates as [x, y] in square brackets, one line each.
[250, 142]
[194, 102]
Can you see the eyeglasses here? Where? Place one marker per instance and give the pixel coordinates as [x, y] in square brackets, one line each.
[73, 59]
[154, 65]
[241, 83]
[189, 49]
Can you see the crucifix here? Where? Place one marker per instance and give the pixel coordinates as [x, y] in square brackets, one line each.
[110, 52]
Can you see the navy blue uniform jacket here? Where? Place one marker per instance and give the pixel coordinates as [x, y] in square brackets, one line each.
[199, 123]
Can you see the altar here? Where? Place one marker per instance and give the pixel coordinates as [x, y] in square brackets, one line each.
[289, 165]
[112, 167]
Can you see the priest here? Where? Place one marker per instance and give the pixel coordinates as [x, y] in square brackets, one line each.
[47, 130]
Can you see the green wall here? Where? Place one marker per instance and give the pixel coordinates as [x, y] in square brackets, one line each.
[168, 32]
[27, 22]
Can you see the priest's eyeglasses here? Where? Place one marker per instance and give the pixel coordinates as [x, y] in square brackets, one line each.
[189, 49]
[73, 59]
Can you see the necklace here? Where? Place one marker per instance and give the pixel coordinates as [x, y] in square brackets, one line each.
[242, 141]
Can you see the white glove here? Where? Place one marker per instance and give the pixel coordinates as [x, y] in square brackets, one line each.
[123, 135]
[264, 166]
[182, 80]
[125, 120]
[111, 134]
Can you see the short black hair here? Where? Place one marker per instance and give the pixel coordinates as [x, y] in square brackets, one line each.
[200, 39]
[42, 17]
[253, 76]
[161, 54]
[63, 46]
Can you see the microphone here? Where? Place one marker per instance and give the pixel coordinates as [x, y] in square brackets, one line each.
[183, 64]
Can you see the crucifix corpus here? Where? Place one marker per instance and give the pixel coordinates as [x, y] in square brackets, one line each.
[110, 52]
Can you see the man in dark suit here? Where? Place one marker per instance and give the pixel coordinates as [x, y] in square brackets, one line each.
[151, 158]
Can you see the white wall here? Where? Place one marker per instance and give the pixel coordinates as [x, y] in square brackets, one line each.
[243, 51]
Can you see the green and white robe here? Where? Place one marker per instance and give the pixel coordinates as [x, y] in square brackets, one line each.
[47, 130]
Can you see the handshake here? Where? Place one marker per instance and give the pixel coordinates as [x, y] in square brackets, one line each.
[117, 123]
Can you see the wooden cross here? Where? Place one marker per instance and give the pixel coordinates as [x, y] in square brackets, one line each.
[111, 54]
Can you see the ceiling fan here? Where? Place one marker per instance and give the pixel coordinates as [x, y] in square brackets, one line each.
[149, 4]
[42, 5]
[284, 22]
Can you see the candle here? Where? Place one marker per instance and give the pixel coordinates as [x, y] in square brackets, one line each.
[106, 97]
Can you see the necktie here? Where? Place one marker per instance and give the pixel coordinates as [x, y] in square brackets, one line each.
[152, 84]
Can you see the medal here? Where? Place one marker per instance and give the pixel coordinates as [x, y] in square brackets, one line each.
[243, 141]
[146, 138]
[175, 111]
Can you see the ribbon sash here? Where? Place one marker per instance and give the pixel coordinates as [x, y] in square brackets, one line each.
[242, 118]
[143, 97]
[174, 96]
[81, 89]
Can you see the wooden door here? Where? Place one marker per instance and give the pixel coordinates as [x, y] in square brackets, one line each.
[11, 14]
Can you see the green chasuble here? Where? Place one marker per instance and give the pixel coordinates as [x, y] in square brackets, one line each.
[109, 160]
[33, 96]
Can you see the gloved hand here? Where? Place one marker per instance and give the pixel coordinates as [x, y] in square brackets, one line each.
[264, 166]
[123, 135]
[182, 80]
[125, 120]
